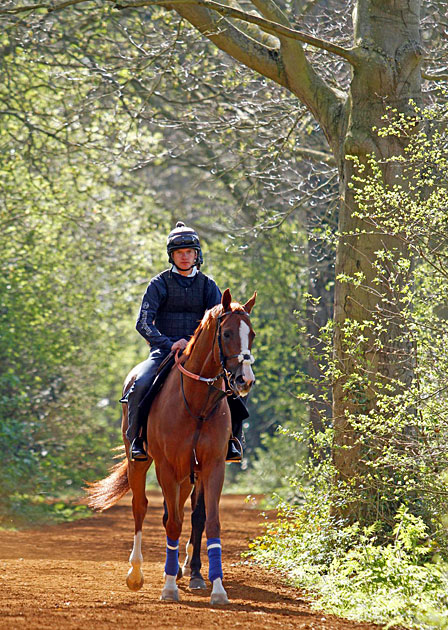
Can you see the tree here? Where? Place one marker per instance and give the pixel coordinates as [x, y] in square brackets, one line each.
[66, 301]
[385, 60]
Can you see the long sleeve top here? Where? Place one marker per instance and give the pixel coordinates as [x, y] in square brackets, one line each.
[154, 298]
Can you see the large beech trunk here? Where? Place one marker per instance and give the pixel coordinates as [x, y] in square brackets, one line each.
[388, 76]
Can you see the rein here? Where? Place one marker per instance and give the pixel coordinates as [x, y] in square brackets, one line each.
[196, 377]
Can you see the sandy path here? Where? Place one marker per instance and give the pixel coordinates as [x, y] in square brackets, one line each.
[73, 576]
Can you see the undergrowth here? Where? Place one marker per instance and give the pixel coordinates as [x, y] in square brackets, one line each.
[395, 577]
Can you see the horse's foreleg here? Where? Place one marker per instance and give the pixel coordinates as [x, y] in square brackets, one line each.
[175, 495]
[137, 480]
[213, 480]
[192, 564]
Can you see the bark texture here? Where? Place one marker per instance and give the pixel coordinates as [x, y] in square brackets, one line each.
[388, 75]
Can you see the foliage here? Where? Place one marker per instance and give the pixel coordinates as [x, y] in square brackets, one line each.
[402, 437]
[67, 306]
[349, 571]
[387, 562]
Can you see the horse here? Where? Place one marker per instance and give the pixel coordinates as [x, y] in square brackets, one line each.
[188, 429]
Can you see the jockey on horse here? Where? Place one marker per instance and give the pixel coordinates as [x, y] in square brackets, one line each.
[174, 303]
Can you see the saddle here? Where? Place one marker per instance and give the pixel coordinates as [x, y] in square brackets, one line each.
[160, 377]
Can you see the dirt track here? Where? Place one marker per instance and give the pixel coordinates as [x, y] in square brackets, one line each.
[72, 576]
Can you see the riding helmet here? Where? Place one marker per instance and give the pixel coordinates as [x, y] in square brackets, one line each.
[183, 237]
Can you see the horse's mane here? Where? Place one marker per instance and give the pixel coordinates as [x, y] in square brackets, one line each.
[208, 321]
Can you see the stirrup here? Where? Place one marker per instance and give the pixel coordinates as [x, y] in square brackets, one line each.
[234, 451]
[138, 451]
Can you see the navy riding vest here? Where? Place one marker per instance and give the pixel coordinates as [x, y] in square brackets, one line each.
[183, 308]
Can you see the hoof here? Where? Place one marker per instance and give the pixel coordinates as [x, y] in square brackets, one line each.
[170, 595]
[219, 598]
[197, 583]
[219, 595]
[134, 580]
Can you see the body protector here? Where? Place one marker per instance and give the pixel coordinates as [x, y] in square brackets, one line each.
[183, 308]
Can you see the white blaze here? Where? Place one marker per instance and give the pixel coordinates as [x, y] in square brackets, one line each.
[248, 374]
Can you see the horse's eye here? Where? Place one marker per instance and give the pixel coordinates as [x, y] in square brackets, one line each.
[226, 334]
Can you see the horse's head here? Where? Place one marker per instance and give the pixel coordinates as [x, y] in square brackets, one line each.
[235, 337]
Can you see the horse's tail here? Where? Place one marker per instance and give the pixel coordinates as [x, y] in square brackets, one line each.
[105, 493]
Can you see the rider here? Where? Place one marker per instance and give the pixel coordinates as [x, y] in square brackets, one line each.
[172, 307]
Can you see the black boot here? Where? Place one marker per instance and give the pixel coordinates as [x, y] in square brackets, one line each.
[234, 451]
[138, 451]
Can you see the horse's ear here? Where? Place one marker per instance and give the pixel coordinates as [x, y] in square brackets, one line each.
[226, 300]
[250, 303]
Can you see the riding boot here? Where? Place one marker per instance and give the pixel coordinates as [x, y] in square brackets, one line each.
[235, 447]
[238, 411]
[138, 450]
[234, 451]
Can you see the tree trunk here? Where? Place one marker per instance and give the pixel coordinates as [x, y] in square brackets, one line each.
[388, 76]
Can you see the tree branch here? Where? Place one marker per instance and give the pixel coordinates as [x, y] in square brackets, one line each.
[434, 77]
[264, 59]
[274, 28]
[314, 154]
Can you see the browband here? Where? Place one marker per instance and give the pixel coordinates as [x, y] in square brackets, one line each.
[233, 313]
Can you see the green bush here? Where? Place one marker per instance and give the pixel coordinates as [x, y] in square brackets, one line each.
[350, 571]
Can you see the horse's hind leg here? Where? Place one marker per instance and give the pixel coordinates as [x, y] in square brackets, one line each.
[137, 481]
[192, 564]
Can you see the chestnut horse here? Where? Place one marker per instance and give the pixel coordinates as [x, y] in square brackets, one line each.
[188, 429]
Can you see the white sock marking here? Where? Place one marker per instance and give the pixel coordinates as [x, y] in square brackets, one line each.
[136, 557]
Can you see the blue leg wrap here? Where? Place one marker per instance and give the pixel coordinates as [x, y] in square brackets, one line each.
[214, 558]
[172, 556]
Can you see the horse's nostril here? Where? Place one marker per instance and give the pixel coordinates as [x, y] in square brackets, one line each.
[240, 379]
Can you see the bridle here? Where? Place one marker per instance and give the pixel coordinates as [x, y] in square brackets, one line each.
[243, 358]
[228, 390]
